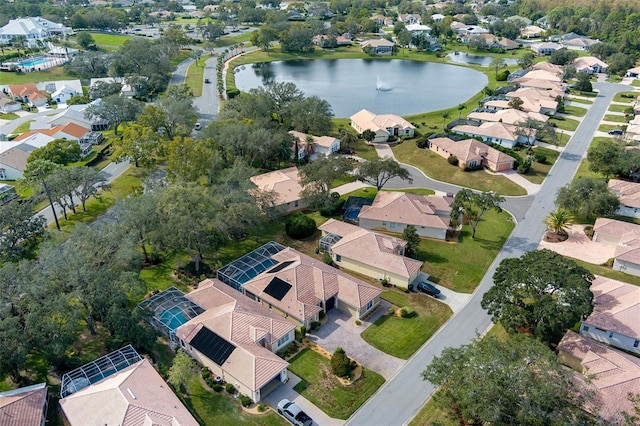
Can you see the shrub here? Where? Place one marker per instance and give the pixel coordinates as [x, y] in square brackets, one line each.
[503, 75]
[314, 325]
[232, 93]
[303, 330]
[406, 312]
[322, 314]
[262, 408]
[217, 387]
[358, 322]
[523, 169]
[326, 258]
[334, 207]
[540, 158]
[390, 310]
[206, 373]
[340, 363]
[300, 226]
[288, 350]
[453, 160]
[230, 388]
[245, 400]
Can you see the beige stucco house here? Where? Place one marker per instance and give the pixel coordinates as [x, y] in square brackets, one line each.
[286, 185]
[236, 338]
[629, 195]
[299, 287]
[507, 116]
[323, 146]
[492, 132]
[472, 153]
[375, 255]
[394, 211]
[383, 125]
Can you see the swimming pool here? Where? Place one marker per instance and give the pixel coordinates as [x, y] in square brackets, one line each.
[352, 213]
[173, 318]
[33, 62]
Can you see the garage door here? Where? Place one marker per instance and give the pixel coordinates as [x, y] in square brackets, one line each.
[270, 387]
[331, 303]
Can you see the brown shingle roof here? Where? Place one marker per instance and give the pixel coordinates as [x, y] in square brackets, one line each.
[24, 406]
[15, 158]
[616, 307]
[134, 396]
[613, 375]
[370, 248]
[409, 209]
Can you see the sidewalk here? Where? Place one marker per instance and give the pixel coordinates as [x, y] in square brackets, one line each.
[549, 146]
[350, 187]
[513, 176]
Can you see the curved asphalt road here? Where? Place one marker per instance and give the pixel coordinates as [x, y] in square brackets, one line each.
[399, 399]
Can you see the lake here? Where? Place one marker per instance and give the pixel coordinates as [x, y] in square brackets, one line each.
[483, 61]
[382, 86]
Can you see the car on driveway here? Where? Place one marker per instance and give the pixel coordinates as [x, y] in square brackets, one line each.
[197, 126]
[428, 288]
[615, 132]
[293, 413]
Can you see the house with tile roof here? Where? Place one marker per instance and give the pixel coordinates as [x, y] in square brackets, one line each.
[369, 253]
[633, 72]
[394, 211]
[379, 47]
[498, 133]
[546, 48]
[299, 287]
[69, 131]
[249, 331]
[616, 310]
[25, 406]
[472, 153]
[629, 195]
[131, 396]
[613, 375]
[590, 65]
[507, 116]
[626, 237]
[72, 114]
[323, 146]
[14, 160]
[531, 31]
[286, 185]
[8, 105]
[410, 18]
[382, 20]
[383, 125]
[27, 93]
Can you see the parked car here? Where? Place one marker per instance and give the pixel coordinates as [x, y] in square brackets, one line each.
[197, 126]
[615, 132]
[428, 288]
[206, 80]
[293, 413]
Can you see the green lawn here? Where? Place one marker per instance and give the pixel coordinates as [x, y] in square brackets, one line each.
[627, 97]
[401, 337]
[609, 273]
[211, 408]
[635, 83]
[575, 111]
[580, 101]
[564, 123]
[8, 116]
[460, 266]
[110, 41]
[56, 73]
[195, 76]
[615, 118]
[323, 389]
[607, 127]
[618, 108]
[362, 150]
[438, 168]
[539, 171]
[24, 127]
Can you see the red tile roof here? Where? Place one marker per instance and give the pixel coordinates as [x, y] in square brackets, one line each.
[24, 406]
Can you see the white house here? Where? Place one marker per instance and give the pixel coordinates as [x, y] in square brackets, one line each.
[590, 65]
[495, 132]
[8, 105]
[63, 94]
[616, 310]
[546, 48]
[32, 29]
[323, 146]
[383, 125]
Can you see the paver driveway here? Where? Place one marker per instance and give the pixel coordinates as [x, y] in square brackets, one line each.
[340, 330]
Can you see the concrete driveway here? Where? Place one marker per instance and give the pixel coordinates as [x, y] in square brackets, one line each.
[340, 330]
[579, 246]
[285, 391]
[455, 301]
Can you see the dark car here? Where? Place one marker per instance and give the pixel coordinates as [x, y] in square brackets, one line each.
[428, 288]
[206, 80]
[293, 413]
[615, 132]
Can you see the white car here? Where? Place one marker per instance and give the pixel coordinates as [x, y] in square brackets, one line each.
[293, 413]
[197, 126]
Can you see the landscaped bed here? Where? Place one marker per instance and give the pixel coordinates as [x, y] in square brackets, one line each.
[401, 337]
[322, 388]
[539, 171]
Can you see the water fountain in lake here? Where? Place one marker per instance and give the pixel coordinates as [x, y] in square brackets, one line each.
[380, 86]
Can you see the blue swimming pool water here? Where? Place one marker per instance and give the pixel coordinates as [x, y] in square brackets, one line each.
[34, 62]
[172, 318]
[352, 213]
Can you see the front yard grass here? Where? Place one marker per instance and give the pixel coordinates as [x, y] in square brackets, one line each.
[211, 408]
[8, 116]
[539, 171]
[438, 168]
[579, 100]
[323, 389]
[401, 337]
[615, 118]
[24, 127]
[564, 123]
[607, 127]
[460, 266]
[575, 111]
[626, 97]
[635, 83]
[618, 108]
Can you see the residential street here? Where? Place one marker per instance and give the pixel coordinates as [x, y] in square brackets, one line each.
[399, 400]
[180, 74]
[208, 104]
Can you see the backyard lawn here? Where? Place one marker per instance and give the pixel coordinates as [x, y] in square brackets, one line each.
[323, 389]
[55, 73]
[461, 265]
[401, 337]
[438, 168]
[110, 41]
[211, 408]
[539, 171]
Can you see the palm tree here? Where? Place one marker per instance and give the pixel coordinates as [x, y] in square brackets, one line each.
[559, 221]
[309, 147]
[347, 140]
[445, 115]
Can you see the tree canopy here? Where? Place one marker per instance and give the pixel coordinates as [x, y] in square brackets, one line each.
[514, 381]
[588, 198]
[541, 292]
[379, 171]
[474, 205]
